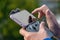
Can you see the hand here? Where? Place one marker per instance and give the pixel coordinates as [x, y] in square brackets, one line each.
[50, 18]
[40, 35]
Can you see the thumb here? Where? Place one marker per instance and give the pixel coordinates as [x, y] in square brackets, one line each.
[23, 32]
[42, 26]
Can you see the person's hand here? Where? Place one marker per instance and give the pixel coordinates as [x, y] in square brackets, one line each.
[40, 35]
[50, 18]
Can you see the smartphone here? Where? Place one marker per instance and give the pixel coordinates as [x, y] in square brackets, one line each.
[22, 18]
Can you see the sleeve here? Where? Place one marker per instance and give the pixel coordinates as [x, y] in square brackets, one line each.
[47, 39]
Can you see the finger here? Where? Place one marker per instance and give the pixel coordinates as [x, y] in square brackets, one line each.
[35, 11]
[41, 11]
[23, 32]
[42, 26]
[43, 7]
[25, 38]
[50, 17]
[40, 14]
[45, 30]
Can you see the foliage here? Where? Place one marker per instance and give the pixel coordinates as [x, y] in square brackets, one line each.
[9, 30]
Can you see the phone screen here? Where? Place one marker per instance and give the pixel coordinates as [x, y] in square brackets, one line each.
[22, 17]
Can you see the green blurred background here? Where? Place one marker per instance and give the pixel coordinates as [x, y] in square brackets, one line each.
[9, 30]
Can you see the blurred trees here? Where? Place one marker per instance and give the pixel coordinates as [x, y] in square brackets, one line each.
[9, 30]
[58, 6]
